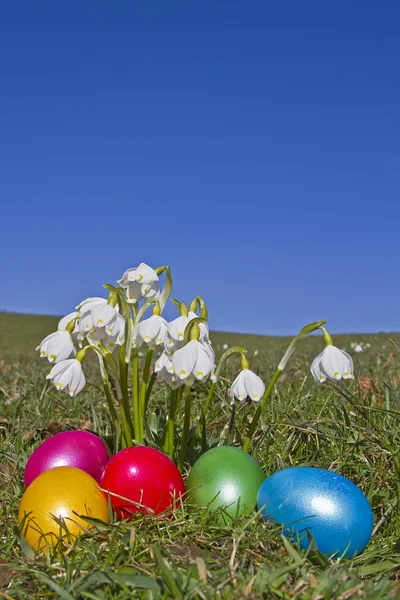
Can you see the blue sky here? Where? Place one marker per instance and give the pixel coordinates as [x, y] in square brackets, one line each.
[253, 146]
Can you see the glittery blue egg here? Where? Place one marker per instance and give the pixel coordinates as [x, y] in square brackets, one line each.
[328, 506]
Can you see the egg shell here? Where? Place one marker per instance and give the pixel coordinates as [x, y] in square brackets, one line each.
[79, 449]
[325, 504]
[60, 492]
[225, 477]
[146, 480]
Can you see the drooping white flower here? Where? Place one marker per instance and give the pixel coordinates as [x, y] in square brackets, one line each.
[101, 321]
[247, 385]
[62, 324]
[140, 282]
[176, 332]
[102, 315]
[164, 362]
[332, 363]
[89, 303]
[152, 331]
[68, 375]
[57, 347]
[116, 327]
[170, 379]
[193, 360]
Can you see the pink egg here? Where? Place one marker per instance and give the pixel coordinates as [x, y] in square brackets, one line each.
[80, 449]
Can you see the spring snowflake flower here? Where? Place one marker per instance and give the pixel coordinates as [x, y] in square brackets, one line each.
[57, 347]
[171, 379]
[332, 363]
[193, 360]
[101, 321]
[68, 375]
[89, 303]
[247, 385]
[164, 363]
[63, 323]
[140, 282]
[152, 331]
[176, 332]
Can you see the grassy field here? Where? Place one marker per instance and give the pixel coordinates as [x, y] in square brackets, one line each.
[193, 556]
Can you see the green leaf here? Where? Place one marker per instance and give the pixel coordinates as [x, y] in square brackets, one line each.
[202, 307]
[167, 573]
[25, 547]
[307, 329]
[176, 303]
[167, 289]
[386, 565]
[54, 586]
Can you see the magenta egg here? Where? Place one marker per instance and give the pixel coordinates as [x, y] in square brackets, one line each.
[80, 449]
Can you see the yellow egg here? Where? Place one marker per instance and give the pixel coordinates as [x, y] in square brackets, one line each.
[58, 494]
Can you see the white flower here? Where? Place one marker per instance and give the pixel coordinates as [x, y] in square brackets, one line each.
[88, 304]
[62, 324]
[102, 315]
[57, 346]
[193, 360]
[176, 332]
[67, 375]
[152, 331]
[116, 327]
[140, 282]
[358, 348]
[332, 363]
[170, 379]
[100, 322]
[225, 347]
[247, 385]
[164, 363]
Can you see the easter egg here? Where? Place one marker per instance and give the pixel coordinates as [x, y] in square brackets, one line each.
[59, 493]
[328, 506]
[142, 479]
[79, 449]
[225, 476]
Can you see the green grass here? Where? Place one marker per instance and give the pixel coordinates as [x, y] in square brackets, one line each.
[193, 555]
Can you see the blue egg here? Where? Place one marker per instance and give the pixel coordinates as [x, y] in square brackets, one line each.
[328, 506]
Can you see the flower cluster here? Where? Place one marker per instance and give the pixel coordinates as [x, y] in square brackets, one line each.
[178, 353]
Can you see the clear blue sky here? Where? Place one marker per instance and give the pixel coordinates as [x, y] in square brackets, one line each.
[254, 146]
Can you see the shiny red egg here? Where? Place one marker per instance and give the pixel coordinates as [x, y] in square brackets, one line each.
[142, 479]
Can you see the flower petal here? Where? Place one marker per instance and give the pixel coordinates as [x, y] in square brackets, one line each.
[184, 360]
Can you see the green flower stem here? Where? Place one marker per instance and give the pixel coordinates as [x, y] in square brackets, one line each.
[143, 388]
[126, 437]
[135, 397]
[205, 409]
[256, 418]
[169, 439]
[149, 390]
[123, 377]
[185, 434]
[110, 361]
[307, 329]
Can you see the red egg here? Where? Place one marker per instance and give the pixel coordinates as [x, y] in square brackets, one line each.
[142, 479]
[80, 449]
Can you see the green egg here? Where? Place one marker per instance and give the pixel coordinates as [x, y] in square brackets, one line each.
[225, 477]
